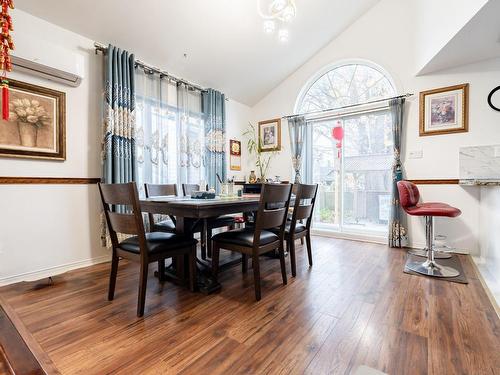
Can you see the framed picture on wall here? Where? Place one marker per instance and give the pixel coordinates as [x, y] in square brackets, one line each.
[444, 110]
[37, 125]
[270, 135]
[234, 155]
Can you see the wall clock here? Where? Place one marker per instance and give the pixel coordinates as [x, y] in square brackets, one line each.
[490, 96]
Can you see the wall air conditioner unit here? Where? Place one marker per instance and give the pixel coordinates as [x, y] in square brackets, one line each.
[47, 60]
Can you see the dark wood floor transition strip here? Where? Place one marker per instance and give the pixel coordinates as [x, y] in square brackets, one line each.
[15, 355]
[48, 180]
[20, 353]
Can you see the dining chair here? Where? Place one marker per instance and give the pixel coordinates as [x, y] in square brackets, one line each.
[189, 189]
[156, 190]
[305, 198]
[207, 225]
[257, 240]
[124, 216]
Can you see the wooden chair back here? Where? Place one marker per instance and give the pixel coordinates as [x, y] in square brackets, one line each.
[273, 208]
[189, 189]
[305, 199]
[122, 211]
[158, 190]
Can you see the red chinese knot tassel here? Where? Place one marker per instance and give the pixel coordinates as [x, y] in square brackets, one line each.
[5, 100]
[6, 44]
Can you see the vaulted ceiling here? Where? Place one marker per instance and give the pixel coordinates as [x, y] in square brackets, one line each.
[216, 43]
[477, 40]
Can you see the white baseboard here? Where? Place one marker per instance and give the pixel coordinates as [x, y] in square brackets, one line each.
[349, 236]
[52, 271]
[491, 282]
[373, 239]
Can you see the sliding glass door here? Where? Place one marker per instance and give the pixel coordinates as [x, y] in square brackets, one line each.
[323, 167]
[355, 177]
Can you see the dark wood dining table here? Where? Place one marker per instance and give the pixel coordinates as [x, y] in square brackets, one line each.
[186, 212]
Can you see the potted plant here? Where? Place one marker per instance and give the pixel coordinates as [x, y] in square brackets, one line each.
[262, 159]
[30, 116]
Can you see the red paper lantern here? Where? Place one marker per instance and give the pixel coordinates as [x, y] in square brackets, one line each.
[338, 133]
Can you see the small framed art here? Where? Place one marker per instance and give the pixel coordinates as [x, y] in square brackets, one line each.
[444, 110]
[270, 135]
[234, 155]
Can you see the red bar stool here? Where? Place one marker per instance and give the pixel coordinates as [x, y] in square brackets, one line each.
[409, 197]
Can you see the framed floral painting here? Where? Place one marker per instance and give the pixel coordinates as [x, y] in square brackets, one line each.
[444, 110]
[37, 125]
[270, 135]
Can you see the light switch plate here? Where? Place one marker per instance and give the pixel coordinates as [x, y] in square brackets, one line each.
[416, 154]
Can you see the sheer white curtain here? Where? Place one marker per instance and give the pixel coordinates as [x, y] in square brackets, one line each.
[169, 131]
[190, 127]
[156, 129]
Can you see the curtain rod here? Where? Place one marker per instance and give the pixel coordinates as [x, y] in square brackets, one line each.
[407, 95]
[152, 69]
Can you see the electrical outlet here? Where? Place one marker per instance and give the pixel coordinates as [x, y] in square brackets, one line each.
[416, 154]
[496, 152]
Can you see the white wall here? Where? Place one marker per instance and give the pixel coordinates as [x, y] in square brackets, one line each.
[489, 224]
[386, 36]
[237, 118]
[55, 226]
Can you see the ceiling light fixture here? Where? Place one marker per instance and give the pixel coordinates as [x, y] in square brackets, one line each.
[283, 35]
[269, 26]
[277, 12]
[277, 6]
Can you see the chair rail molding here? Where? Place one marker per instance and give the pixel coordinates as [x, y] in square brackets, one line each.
[5, 180]
[436, 181]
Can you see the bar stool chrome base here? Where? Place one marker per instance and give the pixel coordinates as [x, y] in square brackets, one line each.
[430, 268]
[438, 252]
[423, 253]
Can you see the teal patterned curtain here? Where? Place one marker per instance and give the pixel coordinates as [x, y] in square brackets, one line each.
[398, 234]
[214, 111]
[297, 129]
[119, 117]
[118, 154]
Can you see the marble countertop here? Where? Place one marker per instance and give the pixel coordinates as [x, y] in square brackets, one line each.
[480, 164]
[478, 182]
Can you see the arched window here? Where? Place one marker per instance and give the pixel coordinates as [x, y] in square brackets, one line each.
[345, 84]
[354, 175]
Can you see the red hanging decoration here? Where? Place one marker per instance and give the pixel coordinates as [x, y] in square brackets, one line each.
[6, 44]
[5, 101]
[338, 135]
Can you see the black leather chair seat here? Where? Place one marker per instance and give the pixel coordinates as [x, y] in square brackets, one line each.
[298, 228]
[158, 242]
[221, 221]
[164, 226]
[244, 237]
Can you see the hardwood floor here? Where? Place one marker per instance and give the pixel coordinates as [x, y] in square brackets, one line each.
[354, 307]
